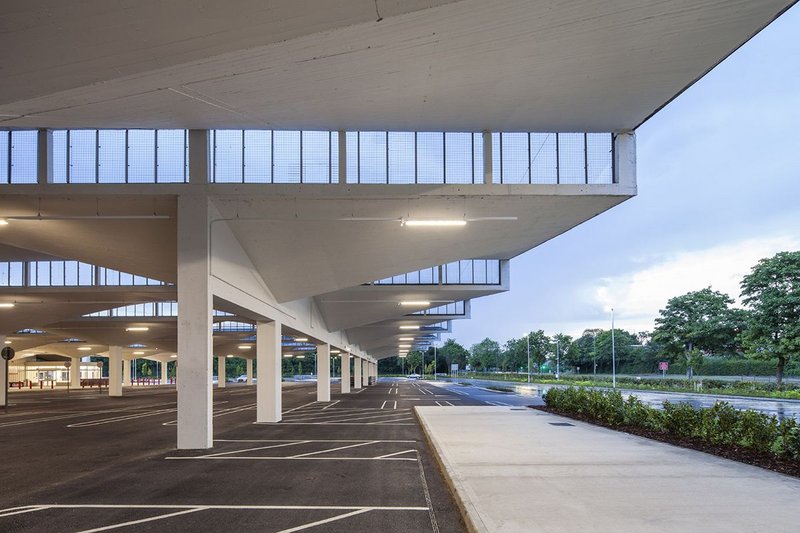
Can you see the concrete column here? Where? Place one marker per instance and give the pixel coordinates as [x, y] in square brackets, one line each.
[75, 373]
[323, 373]
[195, 423]
[3, 374]
[221, 371]
[345, 373]
[199, 154]
[268, 386]
[364, 372]
[164, 375]
[356, 373]
[44, 156]
[487, 158]
[127, 380]
[115, 370]
[249, 371]
[625, 159]
[343, 157]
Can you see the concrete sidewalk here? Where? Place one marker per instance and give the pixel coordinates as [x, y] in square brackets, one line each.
[522, 470]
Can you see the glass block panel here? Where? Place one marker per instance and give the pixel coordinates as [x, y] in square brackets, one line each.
[23, 156]
[372, 156]
[257, 156]
[543, 158]
[111, 156]
[458, 157]
[401, 157]
[571, 162]
[286, 156]
[228, 156]
[599, 155]
[60, 156]
[430, 157]
[516, 165]
[171, 153]
[141, 156]
[82, 156]
[316, 157]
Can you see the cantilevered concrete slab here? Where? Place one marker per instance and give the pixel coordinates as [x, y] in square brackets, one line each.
[521, 471]
[470, 65]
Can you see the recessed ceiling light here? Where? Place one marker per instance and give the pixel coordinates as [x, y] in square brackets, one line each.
[287, 355]
[406, 339]
[137, 328]
[404, 346]
[301, 339]
[415, 302]
[174, 355]
[300, 357]
[85, 348]
[6, 305]
[409, 327]
[335, 351]
[7, 342]
[245, 346]
[436, 223]
[229, 355]
[138, 353]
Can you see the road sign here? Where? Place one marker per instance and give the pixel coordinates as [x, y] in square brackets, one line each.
[663, 365]
[7, 353]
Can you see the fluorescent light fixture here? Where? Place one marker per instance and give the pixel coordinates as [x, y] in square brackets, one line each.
[300, 357]
[6, 305]
[229, 355]
[406, 339]
[85, 348]
[287, 355]
[404, 346]
[402, 356]
[138, 353]
[245, 346]
[174, 355]
[3, 222]
[301, 339]
[7, 342]
[409, 327]
[335, 351]
[415, 302]
[434, 223]
[137, 328]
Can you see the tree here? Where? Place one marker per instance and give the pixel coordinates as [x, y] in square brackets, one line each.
[566, 351]
[452, 352]
[413, 361]
[696, 323]
[772, 293]
[485, 354]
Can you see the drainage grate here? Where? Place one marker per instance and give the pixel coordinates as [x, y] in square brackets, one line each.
[560, 424]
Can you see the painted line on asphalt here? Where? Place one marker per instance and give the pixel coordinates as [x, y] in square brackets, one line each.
[331, 405]
[325, 521]
[368, 443]
[143, 520]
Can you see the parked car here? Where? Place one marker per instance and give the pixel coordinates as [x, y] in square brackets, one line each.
[242, 379]
[413, 376]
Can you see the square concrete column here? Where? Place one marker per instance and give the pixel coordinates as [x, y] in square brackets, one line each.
[221, 371]
[364, 372]
[323, 373]
[268, 386]
[164, 374]
[75, 373]
[115, 370]
[127, 380]
[249, 371]
[345, 373]
[356, 373]
[195, 423]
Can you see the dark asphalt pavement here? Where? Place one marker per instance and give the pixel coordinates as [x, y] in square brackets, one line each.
[94, 463]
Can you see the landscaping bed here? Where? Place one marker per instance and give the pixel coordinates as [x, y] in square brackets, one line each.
[745, 436]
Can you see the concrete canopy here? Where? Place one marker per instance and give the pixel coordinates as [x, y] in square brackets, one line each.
[469, 65]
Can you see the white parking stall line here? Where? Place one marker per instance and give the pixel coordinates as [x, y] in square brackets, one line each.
[269, 458]
[395, 454]
[21, 510]
[331, 404]
[300, 407]
[258, 448]
[221, 412]
[43, 506]
[123, 418]
[309, 454]
[347, 418]
[143, 520]
[393, 420]
[383, 406]
[393, 441]
[325, 521]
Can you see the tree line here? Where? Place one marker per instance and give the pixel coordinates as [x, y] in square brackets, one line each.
[690, 327]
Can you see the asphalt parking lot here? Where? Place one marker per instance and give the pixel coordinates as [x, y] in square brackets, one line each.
[93, 463]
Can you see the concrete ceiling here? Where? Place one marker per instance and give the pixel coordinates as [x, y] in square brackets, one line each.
[469, 65]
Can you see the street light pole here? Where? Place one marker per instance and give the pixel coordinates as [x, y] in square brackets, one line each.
[529, 356]
[558, 358]
[613, 353]
[434, 362]
[594, 353]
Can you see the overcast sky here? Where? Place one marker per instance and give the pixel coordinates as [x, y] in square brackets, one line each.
[719, 188]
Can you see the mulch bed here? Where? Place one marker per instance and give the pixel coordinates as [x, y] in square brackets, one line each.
[735, 453]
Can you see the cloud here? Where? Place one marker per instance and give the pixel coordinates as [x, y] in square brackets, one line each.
[637, 296]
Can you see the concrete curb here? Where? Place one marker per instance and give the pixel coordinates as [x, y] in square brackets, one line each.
[469, 513]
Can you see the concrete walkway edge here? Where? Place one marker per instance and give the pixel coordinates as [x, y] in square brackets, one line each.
[469, 513]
